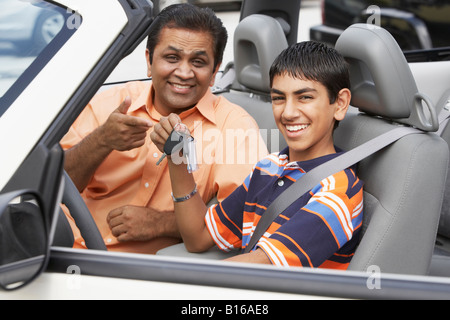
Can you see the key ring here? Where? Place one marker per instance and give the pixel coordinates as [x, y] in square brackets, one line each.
[185, 131]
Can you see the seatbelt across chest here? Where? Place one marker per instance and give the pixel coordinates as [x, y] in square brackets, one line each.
[313, 177]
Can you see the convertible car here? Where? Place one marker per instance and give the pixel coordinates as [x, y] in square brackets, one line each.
[396, 130]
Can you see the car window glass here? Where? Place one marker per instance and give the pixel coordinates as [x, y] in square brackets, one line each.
[31, 32]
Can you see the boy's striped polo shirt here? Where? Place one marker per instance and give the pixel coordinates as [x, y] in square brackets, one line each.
[320, 229]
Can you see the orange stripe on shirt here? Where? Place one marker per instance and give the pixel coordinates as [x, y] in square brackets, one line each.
[342, 223]
[334, 265]
[255, 204]
[298, 247]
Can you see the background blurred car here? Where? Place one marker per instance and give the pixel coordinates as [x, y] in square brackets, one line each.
[415, 24]
[29, 27]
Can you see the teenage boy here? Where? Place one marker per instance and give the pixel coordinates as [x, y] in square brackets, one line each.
[111, 159]
[310, 94]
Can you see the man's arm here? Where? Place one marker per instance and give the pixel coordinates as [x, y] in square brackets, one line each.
[82, 160]
[131, 223]
[120, 132]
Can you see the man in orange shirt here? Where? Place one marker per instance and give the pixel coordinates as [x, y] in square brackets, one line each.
[111, 159]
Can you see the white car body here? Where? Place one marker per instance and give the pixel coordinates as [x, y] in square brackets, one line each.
[91, 274]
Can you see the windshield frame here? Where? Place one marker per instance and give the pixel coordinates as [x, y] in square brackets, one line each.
[41, 60]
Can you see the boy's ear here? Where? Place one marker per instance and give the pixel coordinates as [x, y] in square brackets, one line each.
[342, 103]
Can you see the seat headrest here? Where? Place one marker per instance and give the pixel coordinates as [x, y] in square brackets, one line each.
[258, 40]
[382, 82]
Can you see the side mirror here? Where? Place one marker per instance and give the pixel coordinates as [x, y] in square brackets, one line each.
[23, 238]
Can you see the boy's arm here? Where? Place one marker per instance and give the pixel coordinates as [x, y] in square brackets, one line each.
[190, 217]
[190, 214]
[257, 256]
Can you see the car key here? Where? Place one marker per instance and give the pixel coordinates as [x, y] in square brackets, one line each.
[189, 150]
[173, 144]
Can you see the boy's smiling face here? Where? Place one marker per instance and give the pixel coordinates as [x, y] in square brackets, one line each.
[305, 116]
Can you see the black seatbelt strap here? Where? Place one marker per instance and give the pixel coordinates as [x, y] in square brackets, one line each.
[312, 178]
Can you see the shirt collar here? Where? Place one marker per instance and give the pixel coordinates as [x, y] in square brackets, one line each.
[205, 106]
[308, 164]
[143, 98]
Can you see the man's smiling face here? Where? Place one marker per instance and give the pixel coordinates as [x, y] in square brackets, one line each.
[182, 69]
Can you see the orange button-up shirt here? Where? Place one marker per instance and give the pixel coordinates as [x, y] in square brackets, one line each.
[228, 146]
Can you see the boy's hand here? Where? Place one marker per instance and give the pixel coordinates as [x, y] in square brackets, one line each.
[163, 129]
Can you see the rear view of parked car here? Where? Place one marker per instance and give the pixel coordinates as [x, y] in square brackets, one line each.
[28, 28]
[415, 24]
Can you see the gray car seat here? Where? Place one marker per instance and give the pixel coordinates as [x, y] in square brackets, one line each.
[258, 40]
[439, 90]
[286, 12]
[444, 223]
[403, 184]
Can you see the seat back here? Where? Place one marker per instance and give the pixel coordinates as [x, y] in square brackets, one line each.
[404, 185]
[444, 223]
[258, 40]
[439, 91]
[286, 12]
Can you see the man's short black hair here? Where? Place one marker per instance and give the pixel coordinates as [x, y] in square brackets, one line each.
[188, 16]
[315, 61]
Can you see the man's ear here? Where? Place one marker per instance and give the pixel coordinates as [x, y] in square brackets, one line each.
[342, 103]
[149, 65]
[213, 79]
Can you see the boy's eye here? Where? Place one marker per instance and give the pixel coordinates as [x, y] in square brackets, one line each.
[305, 97]
[277, 98]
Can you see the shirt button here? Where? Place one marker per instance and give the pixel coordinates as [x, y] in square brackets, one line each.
[280, 183]
[155, 155]
[146, 185]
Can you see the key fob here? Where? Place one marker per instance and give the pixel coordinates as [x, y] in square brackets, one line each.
[174, 143]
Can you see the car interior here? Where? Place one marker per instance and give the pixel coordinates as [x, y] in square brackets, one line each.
[398, 236]
[405, 183]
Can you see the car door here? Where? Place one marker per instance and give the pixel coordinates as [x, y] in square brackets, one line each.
[41, 94]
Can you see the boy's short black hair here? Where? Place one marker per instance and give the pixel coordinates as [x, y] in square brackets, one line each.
[188, 16]
[315, 61]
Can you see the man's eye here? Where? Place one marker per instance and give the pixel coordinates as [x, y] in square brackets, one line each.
[172, 58]
[198, 63]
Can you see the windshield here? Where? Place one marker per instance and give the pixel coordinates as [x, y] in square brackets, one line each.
[31, 32]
